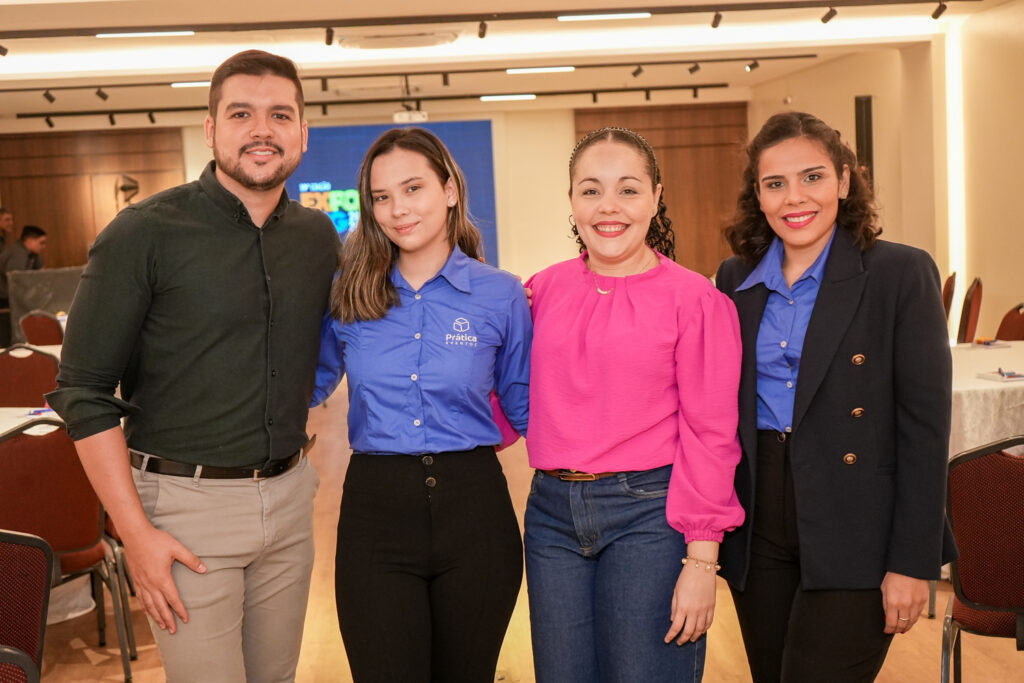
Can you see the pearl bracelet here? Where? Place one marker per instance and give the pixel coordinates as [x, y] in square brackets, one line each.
[707, 566]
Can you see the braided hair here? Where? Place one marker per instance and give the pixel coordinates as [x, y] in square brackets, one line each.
[659, 236]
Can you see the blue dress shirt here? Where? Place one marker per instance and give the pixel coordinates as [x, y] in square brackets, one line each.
[780, 338]
[420, 378]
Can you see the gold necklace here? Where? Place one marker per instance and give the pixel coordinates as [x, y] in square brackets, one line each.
[593, 274]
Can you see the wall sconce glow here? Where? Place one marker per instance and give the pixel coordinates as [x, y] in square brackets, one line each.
[540, 70]
[146, 34]
[507, 98]
[605, 17]
[191, 84]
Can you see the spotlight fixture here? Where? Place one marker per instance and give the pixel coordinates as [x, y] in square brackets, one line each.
[647, 95]
[444, 80]
[716, 20]
[323, 85]
[329, 36]
[829, 15]
[695, 90]
[49, 96]
[323, 109]
[3, 51]
[110, 117]
[637, 71]
[753, 65]
[694, 68]
[49, 121]
[151, 117]
[100, 94]
[482, 29]
[935, 15]
[593, 97]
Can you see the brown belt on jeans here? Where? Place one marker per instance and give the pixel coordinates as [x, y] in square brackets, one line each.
[574, 475]
[182, 469]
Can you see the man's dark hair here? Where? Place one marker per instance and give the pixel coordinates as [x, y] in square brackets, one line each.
[254, 63]
[3, 211]
[31, 231]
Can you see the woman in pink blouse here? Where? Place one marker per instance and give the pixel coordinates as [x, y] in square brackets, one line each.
[633, 413]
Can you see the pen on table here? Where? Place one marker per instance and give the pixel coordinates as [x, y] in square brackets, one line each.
[40, 411]
[1008, 373]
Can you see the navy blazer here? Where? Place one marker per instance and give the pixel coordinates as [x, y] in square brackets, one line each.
[871, 417]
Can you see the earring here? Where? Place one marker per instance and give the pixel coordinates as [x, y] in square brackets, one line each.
[842, 195]
[451, 203]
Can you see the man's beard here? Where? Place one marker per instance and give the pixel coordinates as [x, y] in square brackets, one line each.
[233, 168]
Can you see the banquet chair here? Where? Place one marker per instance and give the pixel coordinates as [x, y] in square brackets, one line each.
[1012, 326]
[970, 312]
[947, 293]
[25, 375]
[45, 491]
[41, 328]
[26, 565]
[984, 495]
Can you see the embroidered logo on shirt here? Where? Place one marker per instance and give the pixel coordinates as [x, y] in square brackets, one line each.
[461, 337]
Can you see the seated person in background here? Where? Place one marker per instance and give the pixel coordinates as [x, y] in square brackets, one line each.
[6, 226]
[25, 254]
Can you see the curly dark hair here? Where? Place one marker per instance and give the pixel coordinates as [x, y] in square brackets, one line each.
[659, 236]
[749, 233]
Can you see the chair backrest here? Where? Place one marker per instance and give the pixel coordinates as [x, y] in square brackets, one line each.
[984, 502]
[26, 564]
[1012, 326]
[44, 490]
[41, 328]
[947, 293]
[969, 315]
[25, 375]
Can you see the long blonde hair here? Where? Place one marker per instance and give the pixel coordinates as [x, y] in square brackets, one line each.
[364, 290]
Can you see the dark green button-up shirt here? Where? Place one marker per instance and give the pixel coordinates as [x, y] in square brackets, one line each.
[210, 324]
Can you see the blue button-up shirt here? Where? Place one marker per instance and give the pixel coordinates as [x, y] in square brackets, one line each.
[780, 338]
[419, 379]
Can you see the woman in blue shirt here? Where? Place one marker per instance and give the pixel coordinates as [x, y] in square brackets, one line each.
[844, 414]
[429, 559]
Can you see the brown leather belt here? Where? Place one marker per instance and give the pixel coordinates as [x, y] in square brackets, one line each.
[574, 475]
[183, 469]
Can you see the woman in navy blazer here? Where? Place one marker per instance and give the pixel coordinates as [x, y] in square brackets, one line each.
[844, 414]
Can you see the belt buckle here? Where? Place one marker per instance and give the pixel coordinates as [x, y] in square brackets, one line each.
[573, 475]
[257, 475]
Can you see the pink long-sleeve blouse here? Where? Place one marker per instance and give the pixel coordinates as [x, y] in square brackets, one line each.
[642, 376]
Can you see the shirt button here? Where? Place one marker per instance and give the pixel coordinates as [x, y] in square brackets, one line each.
[782, 344]
[789, 385]
[414, 377]
[417, 335]
[430, 482]
[418, 297]
[789, 430]
[428, 460]
[857, 412]
[850, 458]
[270, 421]
[273, 373]
[416, 423]
[791, 302]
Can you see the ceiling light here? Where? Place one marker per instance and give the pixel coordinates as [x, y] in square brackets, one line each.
[146, 34]
[190, 84]
[605, 17]
[637, 71]
[110, 117]
[49, 96]
[49, 121]
[694, 68]
[716, 20]
[102, 95]
[482, 29]
[935, 15]
[753, 65]
[3, 51]
[507, 98]
[829, 15]
[540, 70]
[329, 36]
[152, 118]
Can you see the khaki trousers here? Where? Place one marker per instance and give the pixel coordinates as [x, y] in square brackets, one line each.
[256, 538]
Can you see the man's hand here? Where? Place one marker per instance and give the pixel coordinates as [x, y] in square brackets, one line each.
[151, 553]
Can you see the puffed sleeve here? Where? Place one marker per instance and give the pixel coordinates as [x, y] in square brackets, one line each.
[702, 501]
[330, 367]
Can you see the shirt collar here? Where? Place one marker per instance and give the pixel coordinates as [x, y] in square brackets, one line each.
[768, 271]
[455, 271]
[231, 204]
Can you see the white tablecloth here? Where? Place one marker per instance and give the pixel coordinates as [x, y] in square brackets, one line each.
[985, 410]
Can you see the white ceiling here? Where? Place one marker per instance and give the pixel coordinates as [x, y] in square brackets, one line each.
[363, 64]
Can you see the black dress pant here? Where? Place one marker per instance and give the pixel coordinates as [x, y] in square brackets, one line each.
[790, 634]
[428, 567]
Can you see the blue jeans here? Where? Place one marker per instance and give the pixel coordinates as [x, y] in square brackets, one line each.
[601, 567]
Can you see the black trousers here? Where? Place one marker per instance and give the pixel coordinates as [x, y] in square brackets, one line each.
[791, 634]
[428, 567]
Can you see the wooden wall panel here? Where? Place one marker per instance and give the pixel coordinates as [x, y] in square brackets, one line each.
[700, 151]
[64, 182]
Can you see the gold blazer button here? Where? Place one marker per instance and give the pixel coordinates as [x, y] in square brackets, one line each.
[857, 412]
[858, 359]
[850, 458]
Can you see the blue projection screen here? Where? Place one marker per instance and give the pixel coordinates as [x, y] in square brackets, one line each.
[327, 178]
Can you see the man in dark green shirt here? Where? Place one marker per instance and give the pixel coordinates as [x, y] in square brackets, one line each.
[205, 302]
